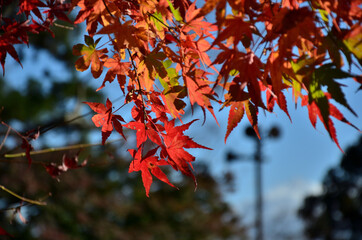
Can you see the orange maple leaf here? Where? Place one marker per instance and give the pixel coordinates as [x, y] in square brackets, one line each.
[117, 68]
[90, 55]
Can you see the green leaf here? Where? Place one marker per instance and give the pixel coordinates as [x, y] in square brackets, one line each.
[171, 73]
[157, 20]
[167, 63]
[318, 96]
[173, 76]
[331, 44]
[175, 12]
[353, 41]
[154, 62]
[324, 15]
[315, 91]
[233, 72]
[302, 65]
[88, 40]
[325, 76]
[164, 84]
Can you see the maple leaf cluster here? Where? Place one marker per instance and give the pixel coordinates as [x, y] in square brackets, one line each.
[158, 61]
[159, 52]
[34, 16]
[161, 59]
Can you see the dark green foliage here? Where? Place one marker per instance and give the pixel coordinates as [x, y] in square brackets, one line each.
[337, 212]
[104, 201]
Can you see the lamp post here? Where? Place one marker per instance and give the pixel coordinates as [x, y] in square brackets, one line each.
[273, 132]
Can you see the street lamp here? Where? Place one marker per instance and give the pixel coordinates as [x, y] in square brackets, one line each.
[273, 133]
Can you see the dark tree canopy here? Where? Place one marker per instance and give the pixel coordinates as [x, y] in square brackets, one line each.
[103, 201]
[337, 212]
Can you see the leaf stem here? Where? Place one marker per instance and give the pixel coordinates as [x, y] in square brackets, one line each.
[119, 107]
[171, 29]
[139, 84]
[151, 15]
[108, 9]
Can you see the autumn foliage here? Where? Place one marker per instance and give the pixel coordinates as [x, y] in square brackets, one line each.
[169, 54]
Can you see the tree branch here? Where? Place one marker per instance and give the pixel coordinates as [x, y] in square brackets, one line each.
[6, 136]
[48, 150]
[35, 202]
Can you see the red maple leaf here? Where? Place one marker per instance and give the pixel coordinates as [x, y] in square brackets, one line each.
[106, 119]
[144, 128]
[272, 98]
[27, 6]
[14, 33]
[315, 110]
[57, 9]
[237, 30]
[27, 146]
[199, 91]
[236, 113]
[146, 164]
[144, 131]
[95, 12]
[174, 146]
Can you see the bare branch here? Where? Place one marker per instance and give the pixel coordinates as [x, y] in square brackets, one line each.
[35, 202]
[48, 150]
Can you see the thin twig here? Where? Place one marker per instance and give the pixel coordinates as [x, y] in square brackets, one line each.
[23, 204]
[139, 84]
[6, 136]
[44, 129]
[171, 29]
[134, 67]
[117, 108]
[22, 198]
[110, 40]
[3, 123]
[48, 150]
[151, 15]
[108, 9]
[14, 208]
[63, 26]
[135, 71]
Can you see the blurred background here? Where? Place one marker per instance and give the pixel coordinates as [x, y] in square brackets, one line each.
[308, 189]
